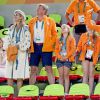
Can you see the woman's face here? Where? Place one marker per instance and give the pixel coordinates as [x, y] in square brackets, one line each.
[18, 17]
[1, 43]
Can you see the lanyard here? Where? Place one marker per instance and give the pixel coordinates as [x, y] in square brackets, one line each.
[41, 25]
[17, 35]
[92, 44]
[63, 44]
[78, 6]
[17, 40]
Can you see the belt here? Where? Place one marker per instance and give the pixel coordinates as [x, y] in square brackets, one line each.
[39, 43]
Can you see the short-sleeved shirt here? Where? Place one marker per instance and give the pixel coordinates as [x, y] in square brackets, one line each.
[80, 8]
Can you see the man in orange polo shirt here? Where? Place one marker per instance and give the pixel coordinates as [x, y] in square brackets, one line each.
[43, 38]
[79, 9]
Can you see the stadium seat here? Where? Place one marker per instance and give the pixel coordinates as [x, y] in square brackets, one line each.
[78, 92]
[2, 79]
[97, 89]
[3, 32]
[22, 98]
[79, 89]
[29, 90]
[97, 68]
[55, 71]
[74, 97]
[98, 22]
[54, 90]
[59, 31]
[48, 98]
[76, 69]
[1, 98]
[25, 98]
[56, 17]
[6, 91]
[42, 79]
[28, 18]
[1, 22]
[71, 30]
[43, 74]
[97, 72]
[76, 72]
[96, 95]
[6, 98]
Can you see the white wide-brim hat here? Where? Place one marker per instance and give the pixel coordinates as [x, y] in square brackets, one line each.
[20, 12]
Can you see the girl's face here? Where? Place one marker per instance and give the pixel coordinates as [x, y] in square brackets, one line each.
[18, 17]
[1, 43]
[65, 30]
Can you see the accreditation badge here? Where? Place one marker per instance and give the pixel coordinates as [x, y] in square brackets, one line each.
[89, 54]
[81, 18]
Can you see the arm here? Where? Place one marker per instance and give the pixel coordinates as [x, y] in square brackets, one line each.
[69, 20]
[89, 23]
[79, 46]
[54, 32]
[96, 51]
[69, 10]
[72, 46]
[95, 7]
[57, 50]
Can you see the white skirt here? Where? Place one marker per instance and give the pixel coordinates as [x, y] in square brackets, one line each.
[19, 68]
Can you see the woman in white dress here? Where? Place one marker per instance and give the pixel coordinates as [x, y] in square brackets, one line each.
[18, 36]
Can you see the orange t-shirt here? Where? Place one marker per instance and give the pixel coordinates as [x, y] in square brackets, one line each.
[80, 8]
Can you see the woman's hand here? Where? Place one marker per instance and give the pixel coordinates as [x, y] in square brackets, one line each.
[63, 58]
[17, 45]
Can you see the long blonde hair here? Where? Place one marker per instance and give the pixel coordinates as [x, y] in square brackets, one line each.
[68, 27]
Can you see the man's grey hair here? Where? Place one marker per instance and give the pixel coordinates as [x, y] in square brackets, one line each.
[43, 5]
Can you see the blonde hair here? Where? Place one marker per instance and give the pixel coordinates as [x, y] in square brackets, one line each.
[20, 12]
[44, 6]
[66, 26]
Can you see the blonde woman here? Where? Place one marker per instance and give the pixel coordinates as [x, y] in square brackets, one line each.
[19, 36]
[64, 50]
